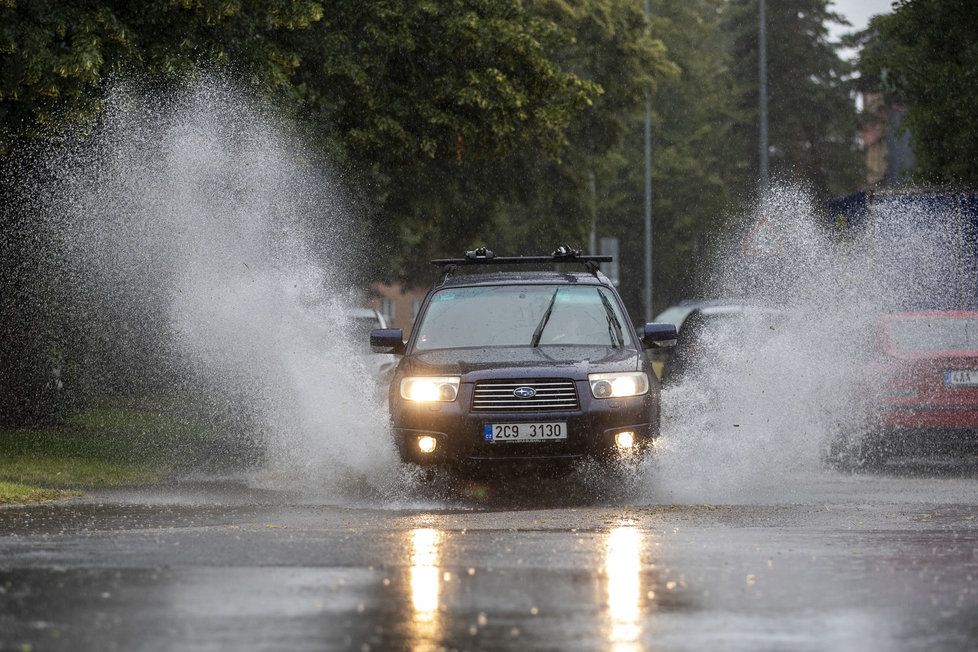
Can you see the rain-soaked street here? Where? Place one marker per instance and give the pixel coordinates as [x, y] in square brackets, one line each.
[848, 562]
[289, 289]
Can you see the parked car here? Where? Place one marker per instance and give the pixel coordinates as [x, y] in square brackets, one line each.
[537, 366]
[366, 320]
[699, 319]
[930, 388]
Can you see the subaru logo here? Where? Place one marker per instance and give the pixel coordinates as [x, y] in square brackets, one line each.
[524, 392]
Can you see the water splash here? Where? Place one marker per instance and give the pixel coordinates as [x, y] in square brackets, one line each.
[211, 253]
[769, 391]
[208, 256]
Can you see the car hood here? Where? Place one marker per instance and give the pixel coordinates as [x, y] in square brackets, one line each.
[496, 361]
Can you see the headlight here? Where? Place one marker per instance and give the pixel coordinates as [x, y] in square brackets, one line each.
[628, 383]
[430, 388]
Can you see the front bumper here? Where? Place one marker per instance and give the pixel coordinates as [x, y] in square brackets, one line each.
[591, 429]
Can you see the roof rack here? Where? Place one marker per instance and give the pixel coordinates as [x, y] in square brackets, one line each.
[484, 256]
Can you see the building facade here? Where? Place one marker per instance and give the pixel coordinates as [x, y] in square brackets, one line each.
[398, 304]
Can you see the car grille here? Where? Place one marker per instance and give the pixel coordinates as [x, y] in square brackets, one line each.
[551, 394]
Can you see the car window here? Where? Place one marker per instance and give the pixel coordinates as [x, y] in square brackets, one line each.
[935, 334]
[523, 315]
[700, 327]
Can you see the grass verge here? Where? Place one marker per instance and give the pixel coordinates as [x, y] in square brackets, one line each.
[14, 493]
[97, 448]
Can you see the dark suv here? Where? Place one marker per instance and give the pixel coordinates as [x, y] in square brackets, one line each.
[525, 365]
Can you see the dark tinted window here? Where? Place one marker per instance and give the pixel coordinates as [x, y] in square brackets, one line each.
[935, 334]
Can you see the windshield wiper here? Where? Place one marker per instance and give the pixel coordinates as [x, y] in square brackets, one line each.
[538, 332]
[617, 337]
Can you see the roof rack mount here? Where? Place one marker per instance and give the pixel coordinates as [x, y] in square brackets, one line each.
[484, 256]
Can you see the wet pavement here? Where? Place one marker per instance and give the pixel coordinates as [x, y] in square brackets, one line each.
[866, 562]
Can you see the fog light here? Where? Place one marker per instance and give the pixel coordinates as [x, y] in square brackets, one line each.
[625, 439]
[427, 444]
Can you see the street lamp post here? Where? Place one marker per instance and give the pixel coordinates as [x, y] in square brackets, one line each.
[762, 95]
[648, 190]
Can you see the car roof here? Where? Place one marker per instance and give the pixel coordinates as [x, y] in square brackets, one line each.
[523, 278]
[678, 313]
[363, 313]
[745, 309]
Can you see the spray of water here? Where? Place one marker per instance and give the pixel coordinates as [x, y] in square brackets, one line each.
[768, 392]
[208, 252]
[216, 251]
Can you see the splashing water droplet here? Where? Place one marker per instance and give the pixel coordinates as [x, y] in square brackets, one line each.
[212, 259]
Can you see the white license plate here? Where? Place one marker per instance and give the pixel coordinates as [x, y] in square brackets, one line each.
[961, 378]
[523, 432]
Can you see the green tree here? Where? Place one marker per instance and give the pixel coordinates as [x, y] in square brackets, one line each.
[530, 198]
[55, 56]
[698, 165]
[429, 107]
[611, 44]
[812, 118]
[400, 80]
[418, 103]
[451, 121]
[925, 54]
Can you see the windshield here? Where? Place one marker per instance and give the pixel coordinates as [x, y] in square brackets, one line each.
[522, 315]
[935, 334]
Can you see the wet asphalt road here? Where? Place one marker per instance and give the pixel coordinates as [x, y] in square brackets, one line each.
[866, 562]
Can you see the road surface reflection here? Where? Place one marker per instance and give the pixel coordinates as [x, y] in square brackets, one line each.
[425, 581]
[623, 568]
[470, 614]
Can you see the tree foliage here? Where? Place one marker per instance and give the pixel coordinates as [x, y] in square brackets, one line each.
[812, 117]
[55, 56]
[697, 169]
[440, 115]
[925, 54]
[454, 123]
[385, 81]
[610, 45]
[534, 193]
[404, 79]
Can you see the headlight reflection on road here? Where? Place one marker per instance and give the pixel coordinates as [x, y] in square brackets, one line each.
[623, 567]
[425, 582]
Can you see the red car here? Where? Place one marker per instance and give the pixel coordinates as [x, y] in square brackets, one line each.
[931, 377]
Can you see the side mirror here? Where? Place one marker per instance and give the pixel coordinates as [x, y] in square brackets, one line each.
[658, 336]
[387, 340]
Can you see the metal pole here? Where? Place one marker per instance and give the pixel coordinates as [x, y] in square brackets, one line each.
[648, 189]
[593, 187]
[762, 95]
